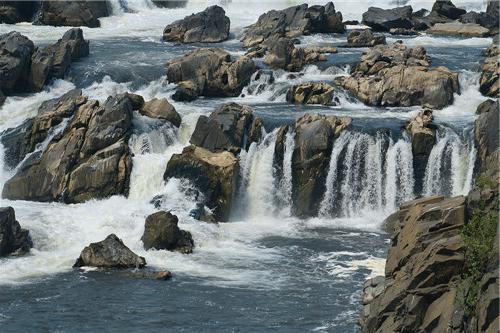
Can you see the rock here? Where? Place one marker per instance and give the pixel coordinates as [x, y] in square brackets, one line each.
[364, 38]
[231, 127]
[72, 13]
[314, 138]
[170, 3]
[54, 61]
[294, 22]
[486, 137]
[161, 109]
[312, 93]
[458, 29]
[12, 12]
[90, 159]
[403, 32]
[109, 253]
[2, 98]
[162, 233]
[13, 239]
[208, 26]
[426, 255]
[213, 174]
[150, 275]
[488, 82]
[447, 9]
[210, 73]
[424, 23]
[483, 19]
[397, 76]
[385, 19]
[15, 59]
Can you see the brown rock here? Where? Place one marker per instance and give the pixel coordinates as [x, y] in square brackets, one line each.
[161, 109]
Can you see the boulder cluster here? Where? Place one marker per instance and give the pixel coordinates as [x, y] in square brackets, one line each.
[490, 71]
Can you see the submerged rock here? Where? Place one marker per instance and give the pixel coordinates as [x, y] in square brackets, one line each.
[209, 26]
[213, 174]
[150, 275]
[109, 253]
[210, 73]
[312, 93]
[72, 13]
[162, 233]
[385, 19]
[230, 127]
[161, 109]
[294, 22]
[13, 239]
[395, 75]
[488, 82]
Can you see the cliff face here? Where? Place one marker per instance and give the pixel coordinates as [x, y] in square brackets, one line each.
[442, 267]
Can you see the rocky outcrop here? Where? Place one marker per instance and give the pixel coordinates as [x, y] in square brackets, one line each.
[210, 73]
[423, 139]
[294, 22]
[423, 265]
[72, 13]
[161, 109]
[12, 12]
[486, 136]
[459, 29]
[364, 38]
[312, 93]
[109, 253]
[213, 174]
[395, 75]
[90, 159]
[13, 239]
[209, 26]
[231, 127]
[447, 9]
[488, 82]
[314, 138]
[15, 61]
[162, 233]
[385, 19]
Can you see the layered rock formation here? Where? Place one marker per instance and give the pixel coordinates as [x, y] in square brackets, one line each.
[293, 22]
[109, 253]
[209, 26]
[162, 233]
[14, 240]
[364, 38]
[312, 93]
[210, 73]
[395, 75]
[459, 29]
[488, 82]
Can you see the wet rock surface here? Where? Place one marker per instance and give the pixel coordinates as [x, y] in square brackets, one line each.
[14, 240]
[161, 109]
[364, 38]
[490, 71]
[385, 19]
[312, 93]
[72, 13]
[162, 233]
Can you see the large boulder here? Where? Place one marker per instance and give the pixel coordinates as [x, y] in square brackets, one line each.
[210, 73]
[15, 61]
[53, 62]
[312, 93]
[162, 233]
[385, 19]
[486, 135]
[488, 82]
[426, 255]
[208, 26]
[161, 109]
[12, 12]
[294, 22]
[109, 253]
[314, 138]
[90, 159]
[447, 9]
[72, 13]
[13, 239]
[459, 29]
[398, 76]
[231, 127]
[364, 38]
[483, 19]
[213, 174]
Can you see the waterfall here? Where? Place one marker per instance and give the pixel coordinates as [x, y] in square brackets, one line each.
[284, 193]
[399, 184]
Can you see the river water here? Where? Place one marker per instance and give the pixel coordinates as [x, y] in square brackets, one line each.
[265, 271]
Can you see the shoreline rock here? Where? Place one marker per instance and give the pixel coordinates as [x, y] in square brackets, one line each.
[162, 233]
[490, 71]
[364, 38]
[14, 240]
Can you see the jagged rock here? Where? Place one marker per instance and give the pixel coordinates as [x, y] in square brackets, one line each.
[403, 32]
[364, 38]
[230, 127]
[15, 59]
[459, 29]
[161, 109]
[211, 73]
[209, 26]
[426, 256]
[314, 138]
[397, 76]
[385, 19]
[486, 134]
[90, 159]
[12, 12]
[213, 174]
[312, 93]
[447, 9]
[162, 233]
[13, 239]
[294, 22]
[72, 13]
[109, 253]
[488, 82]
[53, 62]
